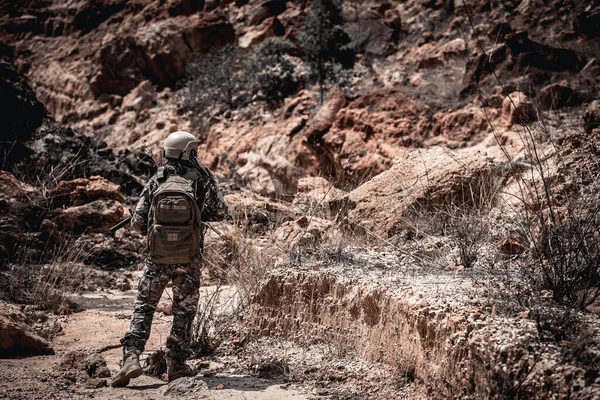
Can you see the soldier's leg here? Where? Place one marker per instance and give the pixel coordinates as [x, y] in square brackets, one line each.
[150, 288]
[186, 284]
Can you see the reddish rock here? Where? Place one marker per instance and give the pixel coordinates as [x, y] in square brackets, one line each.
[326, 116]
[95, 216]
[557, 95]
[314, 194]
[373, 36]
[167, 44]
[518, 108]
[463, 126]
[369, 134]
[159, 51]
[305, 231]
[422, 180]
[82, 191]
[591, 117]
[269, 27]
[17, 338]
[140, 98]
[11, 187]
[511, 245]
[454, 47]
[267, 172]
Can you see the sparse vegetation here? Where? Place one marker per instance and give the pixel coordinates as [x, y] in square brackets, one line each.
[323, 41]
[274, 73]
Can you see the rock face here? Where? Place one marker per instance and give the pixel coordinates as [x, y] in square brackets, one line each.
[369, 133]
[158, 52]
[21, 113]
[268, 173]
[414, 185]
[451, 347]
[17, 338]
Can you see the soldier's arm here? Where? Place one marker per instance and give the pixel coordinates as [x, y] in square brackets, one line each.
[139, 216]
[215, 208]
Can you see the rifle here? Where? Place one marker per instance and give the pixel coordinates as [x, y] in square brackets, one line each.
[120, 224]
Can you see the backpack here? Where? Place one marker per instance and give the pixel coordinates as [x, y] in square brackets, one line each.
[174, 236]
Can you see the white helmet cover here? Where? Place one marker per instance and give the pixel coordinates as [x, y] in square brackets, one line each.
[179, 145]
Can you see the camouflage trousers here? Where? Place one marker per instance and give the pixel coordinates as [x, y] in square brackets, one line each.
[186, 285]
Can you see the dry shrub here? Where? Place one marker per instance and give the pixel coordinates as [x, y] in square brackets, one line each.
[156, 364]
[236, 263]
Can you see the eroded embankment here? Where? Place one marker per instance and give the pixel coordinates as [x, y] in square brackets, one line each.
[439, 329]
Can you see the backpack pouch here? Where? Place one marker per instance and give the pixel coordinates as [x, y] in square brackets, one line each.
[173, 210]
[172, 244]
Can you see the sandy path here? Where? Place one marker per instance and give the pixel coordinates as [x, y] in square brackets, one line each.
[101, 325]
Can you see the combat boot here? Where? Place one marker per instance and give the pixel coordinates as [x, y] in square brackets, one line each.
[176, 370]
[131, 369]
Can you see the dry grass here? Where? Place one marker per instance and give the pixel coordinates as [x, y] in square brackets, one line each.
[46, 284]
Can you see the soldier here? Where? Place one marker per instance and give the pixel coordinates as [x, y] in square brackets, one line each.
[176, 201]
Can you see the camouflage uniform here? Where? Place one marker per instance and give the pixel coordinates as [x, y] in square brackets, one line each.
[185, 277]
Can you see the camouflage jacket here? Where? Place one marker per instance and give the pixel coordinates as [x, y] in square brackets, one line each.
[208, 196]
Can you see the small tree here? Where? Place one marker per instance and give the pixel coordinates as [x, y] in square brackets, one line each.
[324, 41]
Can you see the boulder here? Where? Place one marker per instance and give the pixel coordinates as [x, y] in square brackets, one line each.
[591, 117]
[159, 52]
[96, 367]
[423, 180]
[518, 108]
[81, 191]
[11, 187]
[17, 338]
[557, 96]
[372, 37]
[95, 216]
[122, 65]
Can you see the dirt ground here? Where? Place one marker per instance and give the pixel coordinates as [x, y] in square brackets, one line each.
[99, 327]
[261, 369]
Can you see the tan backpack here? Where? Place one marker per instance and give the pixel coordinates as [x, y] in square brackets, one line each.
[174, 234]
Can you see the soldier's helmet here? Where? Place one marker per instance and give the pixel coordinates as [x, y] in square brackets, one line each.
[180, 146]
